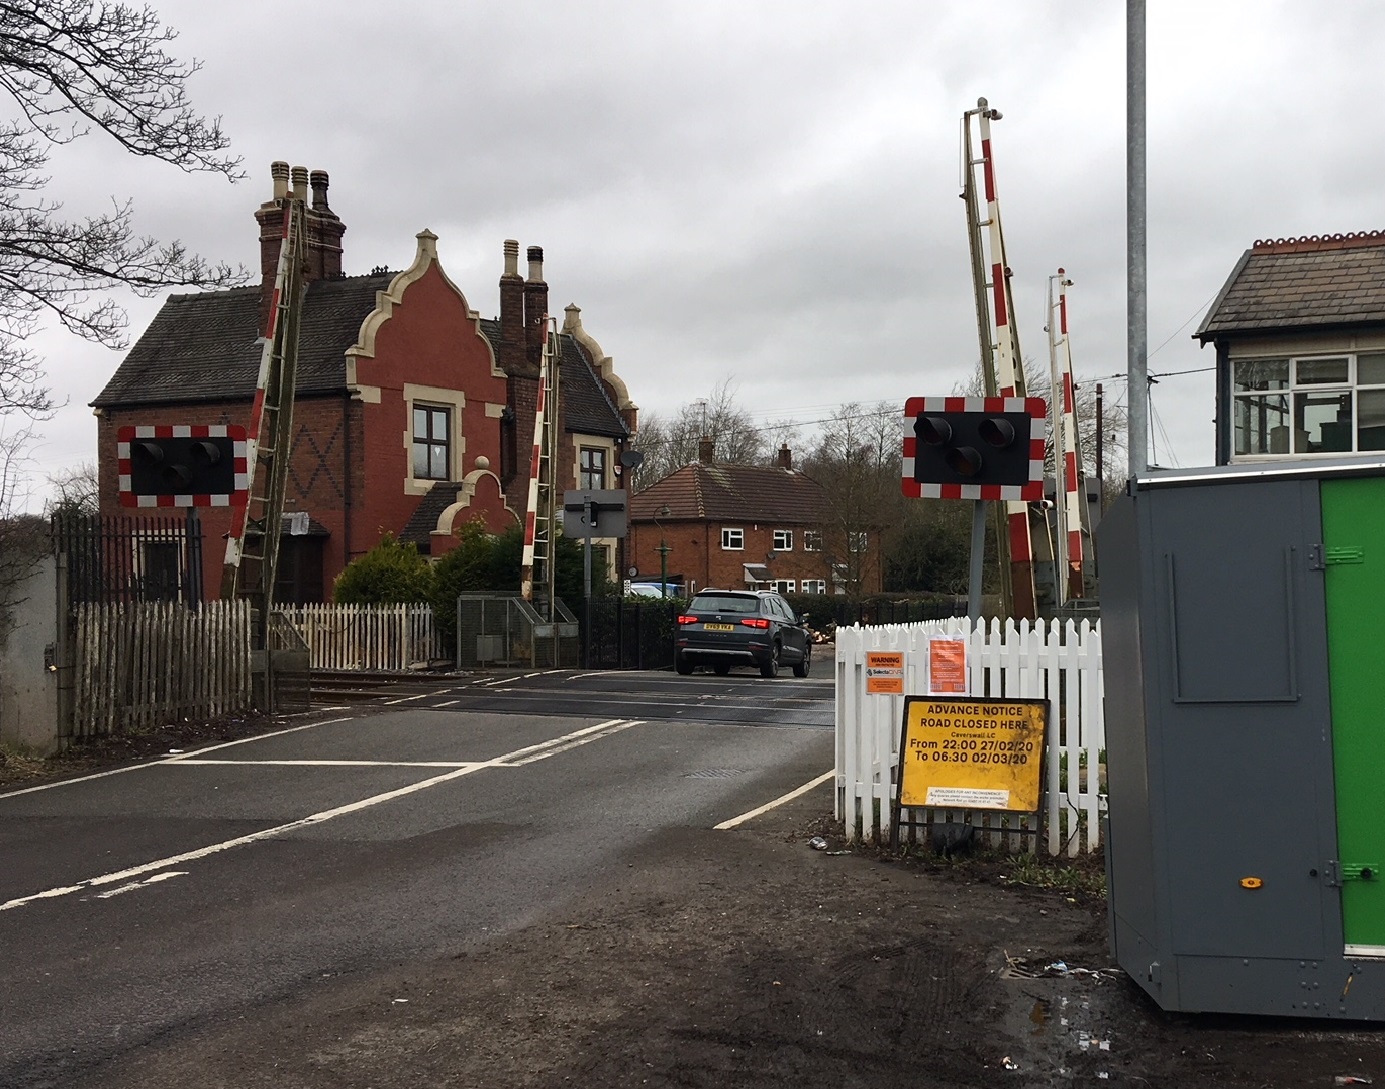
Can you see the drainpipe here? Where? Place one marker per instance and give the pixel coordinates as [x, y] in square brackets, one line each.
[346, 477]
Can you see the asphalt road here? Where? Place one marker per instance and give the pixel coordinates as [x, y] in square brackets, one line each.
[148, 902]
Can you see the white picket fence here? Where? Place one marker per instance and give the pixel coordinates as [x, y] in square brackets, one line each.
[384, 637]
[1052, 660]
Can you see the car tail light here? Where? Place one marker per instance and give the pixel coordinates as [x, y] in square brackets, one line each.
[756, 622]
[686, 619]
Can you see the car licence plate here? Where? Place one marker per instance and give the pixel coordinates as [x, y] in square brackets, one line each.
[719, 627]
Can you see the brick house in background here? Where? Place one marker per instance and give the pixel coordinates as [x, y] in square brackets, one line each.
[1299, 331]
[767, 527]
[412, 416]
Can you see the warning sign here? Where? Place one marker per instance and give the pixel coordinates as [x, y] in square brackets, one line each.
[947, 667]
[884, 673]
[972, 754]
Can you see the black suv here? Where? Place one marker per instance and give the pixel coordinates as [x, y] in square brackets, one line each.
[723, 628]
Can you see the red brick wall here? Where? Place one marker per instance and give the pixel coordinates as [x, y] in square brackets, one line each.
[429, 340]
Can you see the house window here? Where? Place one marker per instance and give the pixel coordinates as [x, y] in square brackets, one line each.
[812, 540]
[591, 468]
[733, 539]
[813, 586]
[432, 443]
[783, 586]
[783, 540]
[857, 540]
[1304, 406]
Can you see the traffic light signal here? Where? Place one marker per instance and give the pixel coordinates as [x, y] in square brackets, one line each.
[974, 448]
[182, 466]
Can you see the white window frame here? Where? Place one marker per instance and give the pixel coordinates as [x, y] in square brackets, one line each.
[812, 586]
[782, 586]
[812, 540]
[730, 534]
[783, 540]
[1291, 399]
[858, 540]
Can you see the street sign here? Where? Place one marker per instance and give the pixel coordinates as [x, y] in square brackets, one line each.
[974, 448]
[604, 506]
[182, 465]
[972, 754]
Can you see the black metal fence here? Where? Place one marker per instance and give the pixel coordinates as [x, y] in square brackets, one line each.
[125, 559]
[632, 633]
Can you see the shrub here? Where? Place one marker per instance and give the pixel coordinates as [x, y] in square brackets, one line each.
[391, 573]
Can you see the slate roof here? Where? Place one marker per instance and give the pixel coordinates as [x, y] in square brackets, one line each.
[732, 493]
[418, 530]
[587, 408]
[202, 347]
[1315, 282]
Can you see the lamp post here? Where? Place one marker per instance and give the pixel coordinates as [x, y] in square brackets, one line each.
[663, 551]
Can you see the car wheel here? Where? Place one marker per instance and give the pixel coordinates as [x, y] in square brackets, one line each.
[800, 669]
[681, 664]
[771, 666]
[721, 668]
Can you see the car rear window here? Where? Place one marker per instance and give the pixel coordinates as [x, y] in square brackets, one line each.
[726, 603]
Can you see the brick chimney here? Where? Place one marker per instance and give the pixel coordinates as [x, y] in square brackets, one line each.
[785, 457]
[510, 352]
[323, 231]
[535, 307]
[705, 447]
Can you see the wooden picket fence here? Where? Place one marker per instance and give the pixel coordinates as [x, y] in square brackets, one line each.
[383, 637]
[140, 666]
[1052, 660]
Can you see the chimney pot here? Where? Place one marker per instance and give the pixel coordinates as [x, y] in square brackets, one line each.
[318, 180]
[705, 447]
[280, 173]
[300, 183]
[511, 259]
[536, 264]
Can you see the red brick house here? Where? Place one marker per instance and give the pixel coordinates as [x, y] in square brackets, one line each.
[413, 414]
[767, 527]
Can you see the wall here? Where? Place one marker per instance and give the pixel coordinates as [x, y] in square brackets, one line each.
[28, 689]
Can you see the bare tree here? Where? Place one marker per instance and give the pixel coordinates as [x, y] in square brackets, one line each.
[23, 537]
[669, 444]
[74, 491]
[857, 462]
[70, 67]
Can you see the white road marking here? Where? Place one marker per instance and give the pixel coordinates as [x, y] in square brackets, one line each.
[446, 703]
[133, 885]
[777, 801]
[342, 763]
[518, 756]
[613, 729]
[406, 699]
[170, 760]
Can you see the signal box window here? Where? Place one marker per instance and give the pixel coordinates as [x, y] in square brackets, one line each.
[592, 468]
[432, 443]
[733, 539]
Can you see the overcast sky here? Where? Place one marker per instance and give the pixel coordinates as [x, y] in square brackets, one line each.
[767, 192]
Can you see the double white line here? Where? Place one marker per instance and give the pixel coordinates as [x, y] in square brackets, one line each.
[519, 757]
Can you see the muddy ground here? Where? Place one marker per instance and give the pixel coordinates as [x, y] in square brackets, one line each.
[746, 958]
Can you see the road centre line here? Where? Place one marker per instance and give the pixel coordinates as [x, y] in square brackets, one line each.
[170, 759]
[588, 733]
[790, 796]
[341, 763]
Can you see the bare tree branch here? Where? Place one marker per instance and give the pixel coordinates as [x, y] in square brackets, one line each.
[68, 68]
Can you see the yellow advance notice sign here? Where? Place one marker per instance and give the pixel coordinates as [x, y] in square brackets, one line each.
[972, 754]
